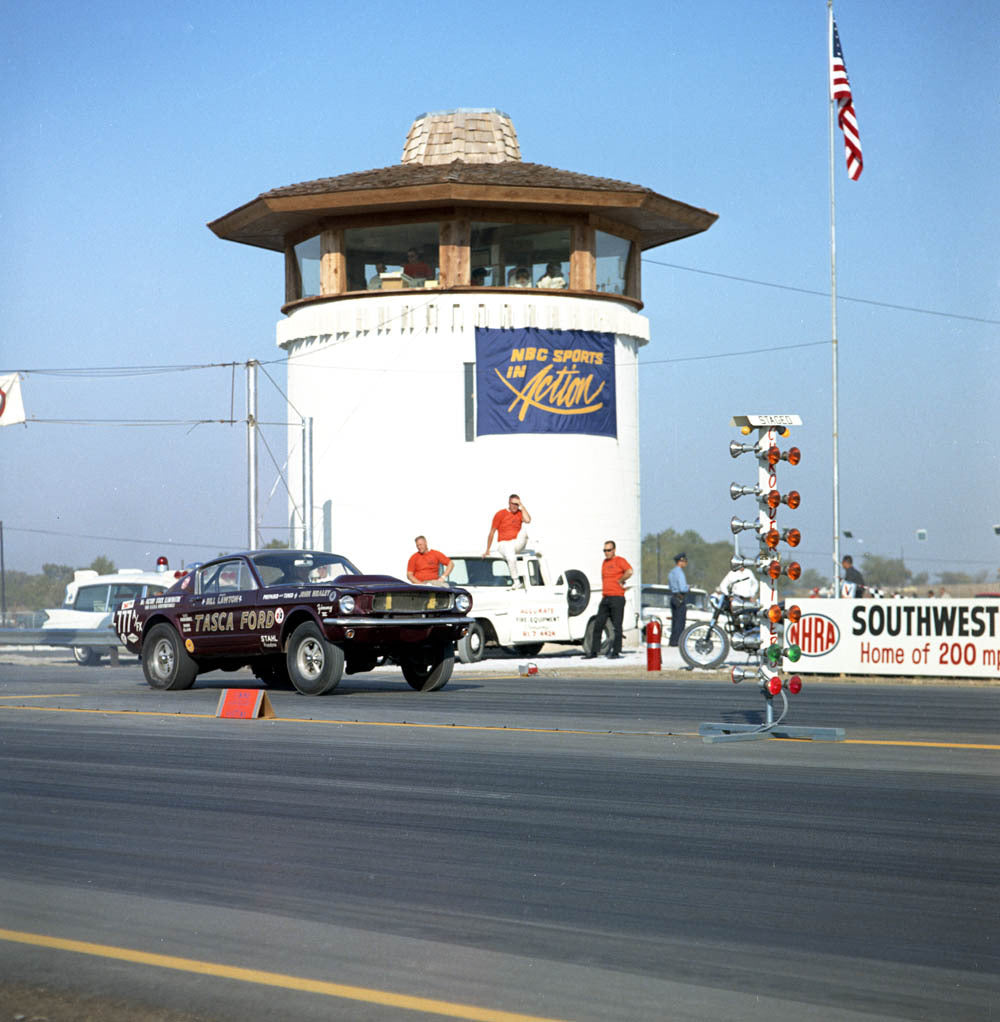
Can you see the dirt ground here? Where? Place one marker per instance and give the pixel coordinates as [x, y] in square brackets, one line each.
[20, 1003]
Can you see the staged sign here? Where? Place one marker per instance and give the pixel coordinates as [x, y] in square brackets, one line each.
[545, 381]
[935, 638]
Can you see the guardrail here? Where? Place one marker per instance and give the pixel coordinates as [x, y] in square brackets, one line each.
[58, 637]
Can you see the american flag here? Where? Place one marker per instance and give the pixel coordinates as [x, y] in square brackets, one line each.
[840, 90]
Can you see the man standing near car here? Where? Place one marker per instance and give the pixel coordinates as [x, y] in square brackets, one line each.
[678, 598]
[507, 526]
[424, 566]
[615, 572]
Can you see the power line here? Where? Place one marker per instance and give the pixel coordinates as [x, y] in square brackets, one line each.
[822, 294]
[125, 539]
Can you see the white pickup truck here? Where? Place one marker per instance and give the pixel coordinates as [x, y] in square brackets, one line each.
[551, 607]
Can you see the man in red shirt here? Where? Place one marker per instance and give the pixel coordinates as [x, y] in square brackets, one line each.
[615, 571]
[423, 566]
[511, 537]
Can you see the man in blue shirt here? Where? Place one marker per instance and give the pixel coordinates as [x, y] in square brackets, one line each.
[678, 598]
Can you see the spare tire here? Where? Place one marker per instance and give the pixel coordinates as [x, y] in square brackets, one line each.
[577, 592]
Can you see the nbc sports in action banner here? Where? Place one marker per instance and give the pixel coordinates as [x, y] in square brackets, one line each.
[545, 381]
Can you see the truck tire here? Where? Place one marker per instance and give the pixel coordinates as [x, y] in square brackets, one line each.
[577, 592]
[472, 645]
[590, 638]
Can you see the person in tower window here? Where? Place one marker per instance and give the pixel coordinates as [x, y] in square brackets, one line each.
[508, 527]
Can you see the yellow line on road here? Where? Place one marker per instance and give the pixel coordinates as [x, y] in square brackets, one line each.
[272, 979]
[49, 695]
[620, 732]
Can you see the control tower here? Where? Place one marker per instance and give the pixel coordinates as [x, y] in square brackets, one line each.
[461, 326]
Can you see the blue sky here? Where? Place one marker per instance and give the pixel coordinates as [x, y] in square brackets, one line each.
[126, 129]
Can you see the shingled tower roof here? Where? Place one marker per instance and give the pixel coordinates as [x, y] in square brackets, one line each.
[473, 136]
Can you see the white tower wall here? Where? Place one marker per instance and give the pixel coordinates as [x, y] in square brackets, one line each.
[384, 379]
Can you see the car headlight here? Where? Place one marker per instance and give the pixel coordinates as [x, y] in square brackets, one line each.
[346, 604]
[463, 602]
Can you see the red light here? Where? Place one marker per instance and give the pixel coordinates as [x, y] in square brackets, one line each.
[774, 570]
[793, 613]
[773, 499]
[793, 537]
[161, 564]
[793, 456]
[771, 538]
[774, 686]
[795, 684]
[793, 499]
[774, 614]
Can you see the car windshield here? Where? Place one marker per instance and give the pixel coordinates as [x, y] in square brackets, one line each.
[480, 571]
[300, 567]
[655, 597]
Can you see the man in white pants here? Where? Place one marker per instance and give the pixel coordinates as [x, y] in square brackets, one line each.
[511, 536]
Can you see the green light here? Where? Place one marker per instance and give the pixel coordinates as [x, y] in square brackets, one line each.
[793, 653]
[773, 654]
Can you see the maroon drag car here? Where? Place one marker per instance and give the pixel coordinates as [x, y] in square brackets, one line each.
[295, 617]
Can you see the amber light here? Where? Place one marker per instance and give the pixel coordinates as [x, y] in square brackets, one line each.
[793, 499]
[771, 538]
[794, 613]
[774, 614]
[774, 686]
[794, 570]
[795, 684]
[793, 456]
[774, 570]
[792, 537]
[773, 456]
[773, 499]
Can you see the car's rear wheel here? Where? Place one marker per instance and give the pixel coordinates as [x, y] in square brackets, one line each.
[165, 661]
[472, 645]
[430, 670]
[315, 666]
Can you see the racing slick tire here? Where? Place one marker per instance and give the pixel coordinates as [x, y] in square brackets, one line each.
[472, 645]
[577, 592]
[86, 656]
[704, 645]
[432, 671]
[589, 638]
[165, 661]
[315, 666]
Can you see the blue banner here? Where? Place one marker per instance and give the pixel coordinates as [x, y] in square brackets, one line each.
[545, 381]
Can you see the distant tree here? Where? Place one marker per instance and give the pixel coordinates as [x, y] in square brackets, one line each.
[707, 562]
[955, 578]
[276, 544]
[885, 572]
[103, 565]
[58, 572]
[809, 580]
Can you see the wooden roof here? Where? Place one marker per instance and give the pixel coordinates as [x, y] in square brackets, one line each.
[266, 220]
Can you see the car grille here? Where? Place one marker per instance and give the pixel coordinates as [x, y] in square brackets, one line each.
[408, 603]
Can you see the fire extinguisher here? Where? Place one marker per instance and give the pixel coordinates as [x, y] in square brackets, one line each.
[654, 632]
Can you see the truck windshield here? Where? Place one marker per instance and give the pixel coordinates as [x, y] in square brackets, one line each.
[480, 571]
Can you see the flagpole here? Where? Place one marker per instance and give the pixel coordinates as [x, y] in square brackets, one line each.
[833, 321]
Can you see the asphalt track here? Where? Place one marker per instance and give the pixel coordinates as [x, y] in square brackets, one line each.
[561, 846]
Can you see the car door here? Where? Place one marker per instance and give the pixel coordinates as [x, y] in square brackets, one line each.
[223, 609]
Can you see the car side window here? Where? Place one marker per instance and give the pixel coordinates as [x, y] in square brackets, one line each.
[535, 573]
[92, 598]
[227, 577]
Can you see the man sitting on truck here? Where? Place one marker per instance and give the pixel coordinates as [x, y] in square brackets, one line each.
[507, 526]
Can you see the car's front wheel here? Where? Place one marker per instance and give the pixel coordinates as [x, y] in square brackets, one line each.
[315, 666]
[429, 670]
[165, 661]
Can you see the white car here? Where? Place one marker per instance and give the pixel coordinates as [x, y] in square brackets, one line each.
[91, 600]
[551, 607]
[656, 604]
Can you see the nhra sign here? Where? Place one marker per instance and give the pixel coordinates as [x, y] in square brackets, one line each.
[545, 381]
[933, 638]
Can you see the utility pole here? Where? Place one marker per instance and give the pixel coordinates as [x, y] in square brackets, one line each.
[252, 455]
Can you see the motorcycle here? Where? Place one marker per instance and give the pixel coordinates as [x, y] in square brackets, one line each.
[706, 644]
